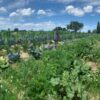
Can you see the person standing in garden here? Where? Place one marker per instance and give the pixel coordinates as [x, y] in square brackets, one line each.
[56, 38]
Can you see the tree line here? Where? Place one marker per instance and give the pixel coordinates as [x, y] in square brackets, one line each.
[75, 26]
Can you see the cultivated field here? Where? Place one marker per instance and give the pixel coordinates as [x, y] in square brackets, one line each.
[33, 66]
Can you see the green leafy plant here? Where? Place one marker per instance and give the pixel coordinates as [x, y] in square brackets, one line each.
[36, 53]
[3, 63]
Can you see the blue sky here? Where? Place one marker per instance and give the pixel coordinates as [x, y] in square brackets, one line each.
[47, 14]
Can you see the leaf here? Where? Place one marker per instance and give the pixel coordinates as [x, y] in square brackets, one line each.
[55, 81]
[65, 78]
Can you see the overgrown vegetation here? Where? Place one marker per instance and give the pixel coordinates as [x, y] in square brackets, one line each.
[53, 71]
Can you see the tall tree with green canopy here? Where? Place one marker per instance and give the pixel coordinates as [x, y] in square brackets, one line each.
[98, 27]
[75, 26]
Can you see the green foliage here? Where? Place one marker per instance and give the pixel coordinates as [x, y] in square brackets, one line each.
[54, 78]
[36, 53]
[74, 25]
[60, 29]
[60, 74]
[98, 28]
[5, 94]
[3, 63]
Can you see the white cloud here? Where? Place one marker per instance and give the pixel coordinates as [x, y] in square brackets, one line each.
[98, 9]
[88, 27]
[13, 14]
[63, 1]
[22, 12]
[88, 9]
[50, 12]
[39, 26]
[84, 2]
[25, 12]
[19, 3]
[74, 11]
[41, 12]
[6, 23]
[45, 12]
[3, 9]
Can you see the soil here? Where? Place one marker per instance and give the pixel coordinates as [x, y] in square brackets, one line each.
[24, 55]
[93, 65]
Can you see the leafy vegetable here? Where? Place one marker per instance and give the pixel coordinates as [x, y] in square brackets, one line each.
[13, 57]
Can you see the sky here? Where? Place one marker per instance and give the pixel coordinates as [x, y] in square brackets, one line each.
[48, 14]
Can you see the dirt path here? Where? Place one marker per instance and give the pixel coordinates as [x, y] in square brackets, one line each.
[93, 65]
[95, 98]
[24, 55]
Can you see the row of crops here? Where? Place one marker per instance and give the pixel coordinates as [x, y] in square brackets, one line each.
[50, 72]
[11, 38]
[12, 43]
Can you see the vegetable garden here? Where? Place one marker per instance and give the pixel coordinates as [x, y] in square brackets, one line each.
[33, 67]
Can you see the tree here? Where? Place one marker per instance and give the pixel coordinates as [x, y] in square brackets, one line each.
[59, 29]
[75, 26]
[94, 31]
[64, 29]
[16, 30]
[89, 31]
[98, 28]
[8, 29]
